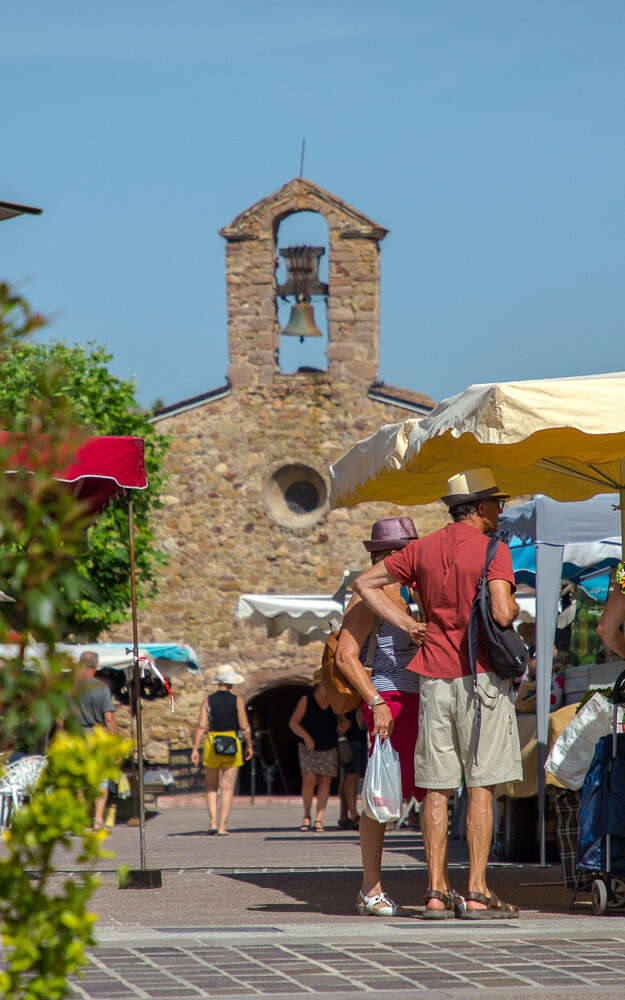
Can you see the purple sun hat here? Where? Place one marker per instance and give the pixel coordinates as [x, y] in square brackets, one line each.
[391, 533]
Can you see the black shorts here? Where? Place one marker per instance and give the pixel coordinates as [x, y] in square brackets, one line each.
[358, 763]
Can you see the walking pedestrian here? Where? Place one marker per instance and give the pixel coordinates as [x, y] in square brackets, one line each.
[445, 567]
[95, 708]
[223, 716]
[314, 722]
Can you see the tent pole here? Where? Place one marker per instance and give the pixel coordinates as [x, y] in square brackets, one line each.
[136, 676]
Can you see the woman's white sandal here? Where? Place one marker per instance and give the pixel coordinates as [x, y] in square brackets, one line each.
[369, 906]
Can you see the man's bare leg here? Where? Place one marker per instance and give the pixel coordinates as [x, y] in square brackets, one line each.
[434, 823]
[479, 838]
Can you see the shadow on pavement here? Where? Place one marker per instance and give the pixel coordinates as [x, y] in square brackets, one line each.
[245, 830]
[334, 893]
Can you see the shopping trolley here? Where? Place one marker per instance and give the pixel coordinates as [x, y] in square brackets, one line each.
[601, 844]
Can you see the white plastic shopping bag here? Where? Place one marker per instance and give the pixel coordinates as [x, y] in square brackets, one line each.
[381, 790]
[573, 750]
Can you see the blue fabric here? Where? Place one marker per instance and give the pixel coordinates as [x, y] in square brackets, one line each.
[161, 651]
[602, 810]
[524, 566]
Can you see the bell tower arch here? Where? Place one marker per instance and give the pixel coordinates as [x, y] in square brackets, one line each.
[353, 294]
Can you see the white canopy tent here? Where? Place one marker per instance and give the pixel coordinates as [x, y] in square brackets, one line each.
[551, 525]
[309, 616]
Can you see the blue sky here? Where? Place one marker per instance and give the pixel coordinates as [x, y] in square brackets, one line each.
[487, 136]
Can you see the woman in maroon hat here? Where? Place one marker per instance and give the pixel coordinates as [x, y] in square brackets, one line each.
[390, 699]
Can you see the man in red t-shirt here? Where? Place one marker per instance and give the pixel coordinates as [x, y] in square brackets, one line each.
[445, 568]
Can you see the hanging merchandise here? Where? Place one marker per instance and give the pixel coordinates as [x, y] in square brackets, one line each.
[573, 750]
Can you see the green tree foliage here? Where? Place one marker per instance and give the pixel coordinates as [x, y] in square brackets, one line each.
[47, 929]
[103, 404]
[42, 530]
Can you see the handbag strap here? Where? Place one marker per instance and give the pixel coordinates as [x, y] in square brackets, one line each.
[473, 629]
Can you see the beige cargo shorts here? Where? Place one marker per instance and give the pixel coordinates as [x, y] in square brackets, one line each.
[445, 744]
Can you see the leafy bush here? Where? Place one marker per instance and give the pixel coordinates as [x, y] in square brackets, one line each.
[47, 930]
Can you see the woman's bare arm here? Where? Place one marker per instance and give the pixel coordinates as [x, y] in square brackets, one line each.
[295, 720]
[244, 726]
[609, 627]
[200, 730]
[357, 625]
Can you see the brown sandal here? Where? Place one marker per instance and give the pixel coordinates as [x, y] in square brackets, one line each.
[449, 905]
[495, 908]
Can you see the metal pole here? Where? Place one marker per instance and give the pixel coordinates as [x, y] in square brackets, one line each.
[136, 676]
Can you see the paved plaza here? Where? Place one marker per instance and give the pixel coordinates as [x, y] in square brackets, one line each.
[269, 911]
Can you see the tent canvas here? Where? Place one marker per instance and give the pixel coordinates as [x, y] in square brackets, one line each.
[309, 616]
[114, 655]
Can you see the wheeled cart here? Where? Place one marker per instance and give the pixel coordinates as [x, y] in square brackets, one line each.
[601, 844]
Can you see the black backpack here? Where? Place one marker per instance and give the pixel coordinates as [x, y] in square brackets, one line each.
[505, 648]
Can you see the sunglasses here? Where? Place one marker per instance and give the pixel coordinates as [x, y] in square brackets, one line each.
[500, 504]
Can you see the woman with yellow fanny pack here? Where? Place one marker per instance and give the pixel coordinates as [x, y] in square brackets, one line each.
[223, 715]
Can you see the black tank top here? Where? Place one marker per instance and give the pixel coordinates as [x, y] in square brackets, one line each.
[224, 717]
[320, 723]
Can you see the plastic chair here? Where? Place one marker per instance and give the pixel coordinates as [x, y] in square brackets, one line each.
[15, 783]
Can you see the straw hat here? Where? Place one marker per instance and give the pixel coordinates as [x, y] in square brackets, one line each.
[472, 486]
[226, 674]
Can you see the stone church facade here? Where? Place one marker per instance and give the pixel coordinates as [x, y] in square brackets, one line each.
[246, 508]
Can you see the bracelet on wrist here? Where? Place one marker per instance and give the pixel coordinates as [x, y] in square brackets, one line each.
[378, 700]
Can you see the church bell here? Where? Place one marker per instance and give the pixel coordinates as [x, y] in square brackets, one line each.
[302, 322]
[302, 263]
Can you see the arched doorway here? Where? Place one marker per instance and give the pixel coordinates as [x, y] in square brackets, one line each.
[277, 766]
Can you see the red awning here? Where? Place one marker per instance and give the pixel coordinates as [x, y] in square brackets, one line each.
[102, 467]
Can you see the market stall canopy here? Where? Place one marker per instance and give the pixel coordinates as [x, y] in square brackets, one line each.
[309, 616]
[563, 437]
[119, 655]
[101, 468]
[114, 655]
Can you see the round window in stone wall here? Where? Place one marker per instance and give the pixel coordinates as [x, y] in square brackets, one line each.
[296, 496]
